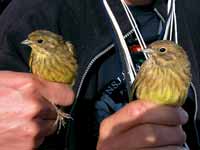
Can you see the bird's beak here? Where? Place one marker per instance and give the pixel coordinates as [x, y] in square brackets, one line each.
[26, 42]
[147, 51]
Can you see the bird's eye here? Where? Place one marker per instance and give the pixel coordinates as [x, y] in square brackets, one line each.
[40, 41]
[162, 50]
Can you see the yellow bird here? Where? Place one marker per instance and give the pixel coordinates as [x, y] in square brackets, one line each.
[52, 59]
[165, 77]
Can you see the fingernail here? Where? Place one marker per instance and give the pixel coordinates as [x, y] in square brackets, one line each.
[184, 115]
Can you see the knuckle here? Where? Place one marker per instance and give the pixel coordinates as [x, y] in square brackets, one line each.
[104, 123]
[34, 109]
[181, 136]
[102, 127]
[30, 144]
[31, 84]
[32, 134]
[66, 93]
[132, 111]
[102, 146]
[183, 116]
[155, 135]
[150, 134]
[177, 116]
[31, 131]
[70, 98]
[137, 109]
[105, 131]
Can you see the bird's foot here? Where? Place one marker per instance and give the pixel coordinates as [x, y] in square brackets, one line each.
[60, 120]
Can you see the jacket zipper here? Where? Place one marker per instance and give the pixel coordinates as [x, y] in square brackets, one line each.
[91, 64]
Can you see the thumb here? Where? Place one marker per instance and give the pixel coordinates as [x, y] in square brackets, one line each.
[58, 93]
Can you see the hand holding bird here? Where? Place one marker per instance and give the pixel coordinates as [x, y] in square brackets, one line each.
[54, 60]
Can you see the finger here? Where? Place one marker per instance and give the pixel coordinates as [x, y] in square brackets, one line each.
[149, 135]
[23, 106]
[14, 79]
[47, 127]
[35, 131]
[165, 148]
[158, 148]
[59, 93]
[47, 112]
[34, 106]
[138, 2]
[139, 112]
[146, 136]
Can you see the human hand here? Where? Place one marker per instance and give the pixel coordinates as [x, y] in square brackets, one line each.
[142, 125]
[25, 113]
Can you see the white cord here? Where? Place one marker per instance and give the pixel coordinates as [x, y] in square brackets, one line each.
[167, 28]
[128, 59]
[169, 4]
[135, 27]
[134, 24]
[175, 22]
[171, 26]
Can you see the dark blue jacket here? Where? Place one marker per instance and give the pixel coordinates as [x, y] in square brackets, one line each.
[85, 24]
[3, 5]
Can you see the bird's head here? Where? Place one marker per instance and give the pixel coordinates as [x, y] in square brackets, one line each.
[167, 53]
[43, 41]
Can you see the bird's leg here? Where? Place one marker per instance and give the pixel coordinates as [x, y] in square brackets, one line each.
[61, 116]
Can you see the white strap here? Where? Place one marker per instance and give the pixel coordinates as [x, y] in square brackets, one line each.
[125, 52]
[135, 27]
[171, 32]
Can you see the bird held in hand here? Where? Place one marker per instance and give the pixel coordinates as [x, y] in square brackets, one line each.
[165, 77]
[54, 60]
